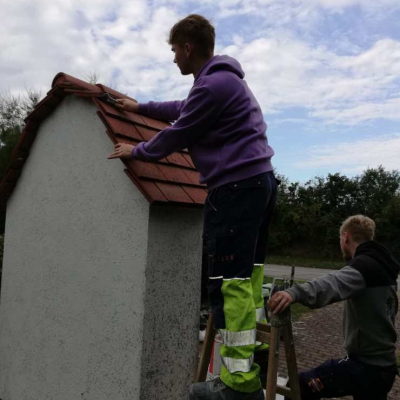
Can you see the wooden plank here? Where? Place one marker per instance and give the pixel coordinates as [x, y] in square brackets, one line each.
[201, 373]
[263, 337]
[272, 364]
[284, 391]
[263, 327]
[287, 334]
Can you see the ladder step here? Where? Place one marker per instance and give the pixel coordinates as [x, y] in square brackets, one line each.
[263, 327]
[284, 391]
[263, 337]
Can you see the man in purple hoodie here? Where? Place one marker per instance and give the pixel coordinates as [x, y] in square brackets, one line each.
[222, 126]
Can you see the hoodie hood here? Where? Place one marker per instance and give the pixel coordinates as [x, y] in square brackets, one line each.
[376, 263]
[221, 63]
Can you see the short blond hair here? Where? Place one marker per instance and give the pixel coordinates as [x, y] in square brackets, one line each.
[360, 228]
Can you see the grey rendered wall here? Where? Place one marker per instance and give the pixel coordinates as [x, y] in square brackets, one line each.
[172, 303]
[76, 242]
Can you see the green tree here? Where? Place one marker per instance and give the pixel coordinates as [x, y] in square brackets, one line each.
[377, 187]
[309, 215]
[13, 111]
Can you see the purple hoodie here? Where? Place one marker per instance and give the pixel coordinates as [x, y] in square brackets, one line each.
[220, 123]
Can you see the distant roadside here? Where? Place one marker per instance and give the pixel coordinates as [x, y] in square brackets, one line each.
[305, 262]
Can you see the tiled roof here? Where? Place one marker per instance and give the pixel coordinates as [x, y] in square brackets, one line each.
[171, 180]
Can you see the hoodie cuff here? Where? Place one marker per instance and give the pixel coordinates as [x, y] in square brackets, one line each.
[296, 294]
[137, 151]
[143, 108]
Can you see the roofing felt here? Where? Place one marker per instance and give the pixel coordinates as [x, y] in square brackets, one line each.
[173, 179]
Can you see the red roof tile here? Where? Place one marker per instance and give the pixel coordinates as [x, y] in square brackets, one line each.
[196, 194]
[146, 133]
[171, 180]
[121, 128]
[174, 193]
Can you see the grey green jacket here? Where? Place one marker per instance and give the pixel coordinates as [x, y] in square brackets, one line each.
[368, 284]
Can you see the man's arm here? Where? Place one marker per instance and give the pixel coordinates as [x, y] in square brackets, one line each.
[331, 288]
[198, 113]
[167, 110]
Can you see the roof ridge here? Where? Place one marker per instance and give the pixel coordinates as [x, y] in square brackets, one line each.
[180, 170]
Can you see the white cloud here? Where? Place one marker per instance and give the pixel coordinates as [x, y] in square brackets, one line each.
[287, 72]
[303, 12]
[124, 42]
[386, 109]
[355, 157]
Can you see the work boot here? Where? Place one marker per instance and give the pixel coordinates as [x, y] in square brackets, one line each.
[217, 390]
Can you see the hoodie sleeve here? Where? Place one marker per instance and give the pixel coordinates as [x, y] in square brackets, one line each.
[167, 110]
[331, 288]
[198, 113]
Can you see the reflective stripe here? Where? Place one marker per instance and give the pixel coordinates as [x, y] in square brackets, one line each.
[238, 364]
[258, 265]
[228, 279]
[235, 339]
[237, 279]
[260, 314]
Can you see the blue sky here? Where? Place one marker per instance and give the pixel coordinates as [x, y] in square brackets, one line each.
[326, 72]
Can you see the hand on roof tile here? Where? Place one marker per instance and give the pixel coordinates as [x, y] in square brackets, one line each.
[121, 150]
[127, 105]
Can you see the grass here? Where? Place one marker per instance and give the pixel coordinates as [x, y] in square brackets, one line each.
[298, 310]
[305, 262]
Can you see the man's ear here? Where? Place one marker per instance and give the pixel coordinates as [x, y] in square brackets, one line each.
[188, 49]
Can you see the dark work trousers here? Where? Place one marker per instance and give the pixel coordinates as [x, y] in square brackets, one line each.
[236, 222]
[347, 377]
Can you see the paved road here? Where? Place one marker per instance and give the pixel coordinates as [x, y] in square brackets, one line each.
[301, 273]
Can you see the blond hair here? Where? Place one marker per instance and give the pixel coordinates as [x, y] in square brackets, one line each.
[360, 228]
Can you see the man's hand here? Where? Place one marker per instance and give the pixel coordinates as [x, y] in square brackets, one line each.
[127, 105]
[279, 301]
[121, 150]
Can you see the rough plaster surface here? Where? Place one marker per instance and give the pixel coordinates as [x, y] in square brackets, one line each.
[72, 301]
[172, 303]
[101, 292]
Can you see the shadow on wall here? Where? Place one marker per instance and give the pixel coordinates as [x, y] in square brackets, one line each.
[1, 256]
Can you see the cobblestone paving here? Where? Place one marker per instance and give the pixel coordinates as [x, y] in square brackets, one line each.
[318, 337]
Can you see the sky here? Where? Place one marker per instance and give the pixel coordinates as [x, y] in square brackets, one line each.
[325, 72]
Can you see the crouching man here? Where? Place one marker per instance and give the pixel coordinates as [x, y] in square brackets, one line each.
[368, 284]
